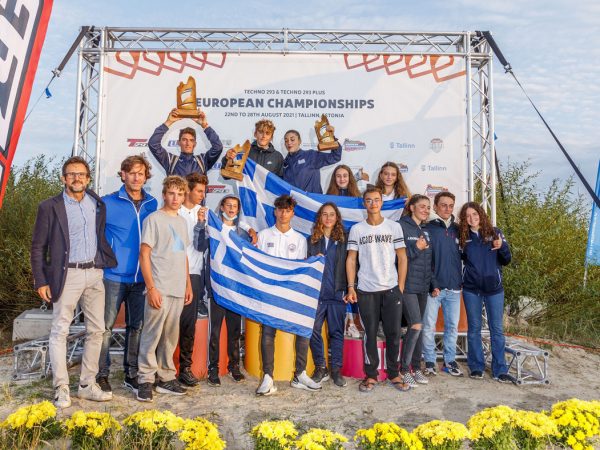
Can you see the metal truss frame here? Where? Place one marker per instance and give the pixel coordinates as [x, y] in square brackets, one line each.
[471, 45]
[528, 363]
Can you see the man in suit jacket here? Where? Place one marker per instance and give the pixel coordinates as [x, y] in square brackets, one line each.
[68, 252]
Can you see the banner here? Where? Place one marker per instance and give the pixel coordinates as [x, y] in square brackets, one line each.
[405, 109]
[592, 253]
[23, 27]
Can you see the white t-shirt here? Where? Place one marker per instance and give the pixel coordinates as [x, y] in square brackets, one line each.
[376, 246]
[390, 196]
[195, 258]
[290, 245]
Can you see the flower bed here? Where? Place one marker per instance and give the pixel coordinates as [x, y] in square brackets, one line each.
[571, 424]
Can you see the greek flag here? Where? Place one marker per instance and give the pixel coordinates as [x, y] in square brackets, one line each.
[259, 189]
[281, 293]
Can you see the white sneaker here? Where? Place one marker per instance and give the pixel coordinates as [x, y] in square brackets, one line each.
[266, 387]
[62, 398]
[303, 381]
[420, 377]
[93, 392]
[352, 331]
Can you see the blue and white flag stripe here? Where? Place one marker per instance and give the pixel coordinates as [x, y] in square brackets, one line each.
[277, 292]
[259, 189]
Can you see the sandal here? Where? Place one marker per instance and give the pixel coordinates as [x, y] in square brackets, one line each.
[400, 385]
[367, 385]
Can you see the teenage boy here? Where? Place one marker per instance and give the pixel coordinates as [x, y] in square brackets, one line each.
[191, 211]
[229, 209]
[185, 162]
[446, 284]
[377, 242]
[164, 264]
[262, 151]
[68, 252]
[126, 210]
[283, 241]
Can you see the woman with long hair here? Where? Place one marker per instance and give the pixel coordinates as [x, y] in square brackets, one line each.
[484, 252]
[328, 238]
[391, 182]
[417, 286]
[342, 182]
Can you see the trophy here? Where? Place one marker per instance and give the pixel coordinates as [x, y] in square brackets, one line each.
[187, 106]
[234, 166]
[326, 139]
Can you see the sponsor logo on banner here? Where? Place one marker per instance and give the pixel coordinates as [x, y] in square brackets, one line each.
[218, 189]
[431, 190]
[403, 167]
[436, 145]
[133, 142]
[402, 146]
[354, 146]
[433, 168]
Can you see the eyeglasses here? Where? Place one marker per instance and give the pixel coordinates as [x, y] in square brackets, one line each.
[372, 201]
[76, 175]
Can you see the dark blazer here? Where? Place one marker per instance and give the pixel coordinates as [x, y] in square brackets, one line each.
[341, 283]
[50, 244]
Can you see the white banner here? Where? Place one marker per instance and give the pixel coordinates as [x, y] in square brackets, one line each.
[406, 109]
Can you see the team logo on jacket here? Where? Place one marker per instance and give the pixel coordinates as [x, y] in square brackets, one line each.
[292, 247]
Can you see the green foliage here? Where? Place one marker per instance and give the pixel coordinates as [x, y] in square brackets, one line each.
[548, 235]
[37, 180]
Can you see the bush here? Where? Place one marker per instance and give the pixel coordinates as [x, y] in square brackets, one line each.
[547, 234]
[37, 180]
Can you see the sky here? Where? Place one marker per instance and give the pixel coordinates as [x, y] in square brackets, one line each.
[553, 47]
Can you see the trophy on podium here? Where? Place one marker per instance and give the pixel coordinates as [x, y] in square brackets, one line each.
[235, 166]
[326, 138]
[187, 105]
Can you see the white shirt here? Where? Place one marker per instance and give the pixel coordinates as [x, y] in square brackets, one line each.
[386, 197]
[376, 246]
[195, 258]
[290, 245]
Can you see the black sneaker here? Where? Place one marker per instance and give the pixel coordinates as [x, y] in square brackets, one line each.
[104, 384]
[144, 392]
[452, 369]
[131, 384]
[320, 374]
[202, 309]
[506, 378]
[477, 375]
[187, 378]
[430, 369]
[213, 378]
[170, 387]
[236, 374]
[337, 377]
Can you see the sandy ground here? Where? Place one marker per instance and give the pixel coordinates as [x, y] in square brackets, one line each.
[235, 408]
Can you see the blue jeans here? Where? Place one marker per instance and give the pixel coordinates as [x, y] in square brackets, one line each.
[450, 303]
[133, 295]
[494, 306]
